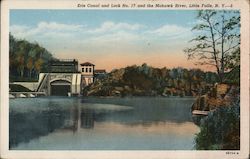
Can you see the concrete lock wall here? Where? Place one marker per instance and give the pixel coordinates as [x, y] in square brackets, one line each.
[75, 80]
[76, 84]
[30, 85]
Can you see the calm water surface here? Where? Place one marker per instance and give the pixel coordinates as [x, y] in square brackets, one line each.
[136, 123]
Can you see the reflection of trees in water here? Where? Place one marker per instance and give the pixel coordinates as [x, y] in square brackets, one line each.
[27, 126]
[24, 127]
[146, 109]
[146, 116]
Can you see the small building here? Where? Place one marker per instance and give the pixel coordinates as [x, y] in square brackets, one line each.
[99, 74]
[87, 72]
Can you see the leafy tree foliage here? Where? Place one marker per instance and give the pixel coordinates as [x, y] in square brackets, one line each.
[220, 130]
[150, 81]
[26, 60]
[217, 40]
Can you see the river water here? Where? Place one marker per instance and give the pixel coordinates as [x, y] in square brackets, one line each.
[134, 123]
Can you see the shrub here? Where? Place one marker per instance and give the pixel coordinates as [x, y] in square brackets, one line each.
[220, 130]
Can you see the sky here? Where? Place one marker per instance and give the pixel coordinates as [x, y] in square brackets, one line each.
[110, 38]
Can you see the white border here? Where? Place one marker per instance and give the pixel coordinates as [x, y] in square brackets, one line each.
[242, 5]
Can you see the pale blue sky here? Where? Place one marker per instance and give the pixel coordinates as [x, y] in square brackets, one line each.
[116, 37]
[93, 18]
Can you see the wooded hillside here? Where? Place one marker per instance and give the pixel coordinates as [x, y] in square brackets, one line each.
[26, 59]
[145, 80]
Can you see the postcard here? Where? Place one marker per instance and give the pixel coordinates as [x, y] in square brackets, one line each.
[125, 79]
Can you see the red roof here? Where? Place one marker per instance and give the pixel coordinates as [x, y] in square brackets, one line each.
[87, 64]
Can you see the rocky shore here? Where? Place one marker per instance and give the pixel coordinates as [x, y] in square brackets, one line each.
[219, 95]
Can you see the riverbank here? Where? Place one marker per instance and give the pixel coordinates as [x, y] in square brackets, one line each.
[220, 127]
[219, 96]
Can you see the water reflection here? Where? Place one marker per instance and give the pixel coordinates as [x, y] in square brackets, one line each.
[87, 118]
[81, 118]
[29, 125]
[117, 136]
[94, 120]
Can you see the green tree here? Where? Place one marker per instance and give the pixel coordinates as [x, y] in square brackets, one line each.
[189, 78]
[220, 130]
[12, 53]
[20, 66]
[217, 39]
[26, 59]
[38, 65]
[30, 65]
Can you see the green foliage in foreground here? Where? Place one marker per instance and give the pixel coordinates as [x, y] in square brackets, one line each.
[220, 130]
[233, 77]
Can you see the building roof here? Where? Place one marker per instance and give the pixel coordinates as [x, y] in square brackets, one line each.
[87, 64]
[100, 71]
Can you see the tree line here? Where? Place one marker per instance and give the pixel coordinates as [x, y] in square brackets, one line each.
[146, 80]
[182, 79]
[26, 59]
